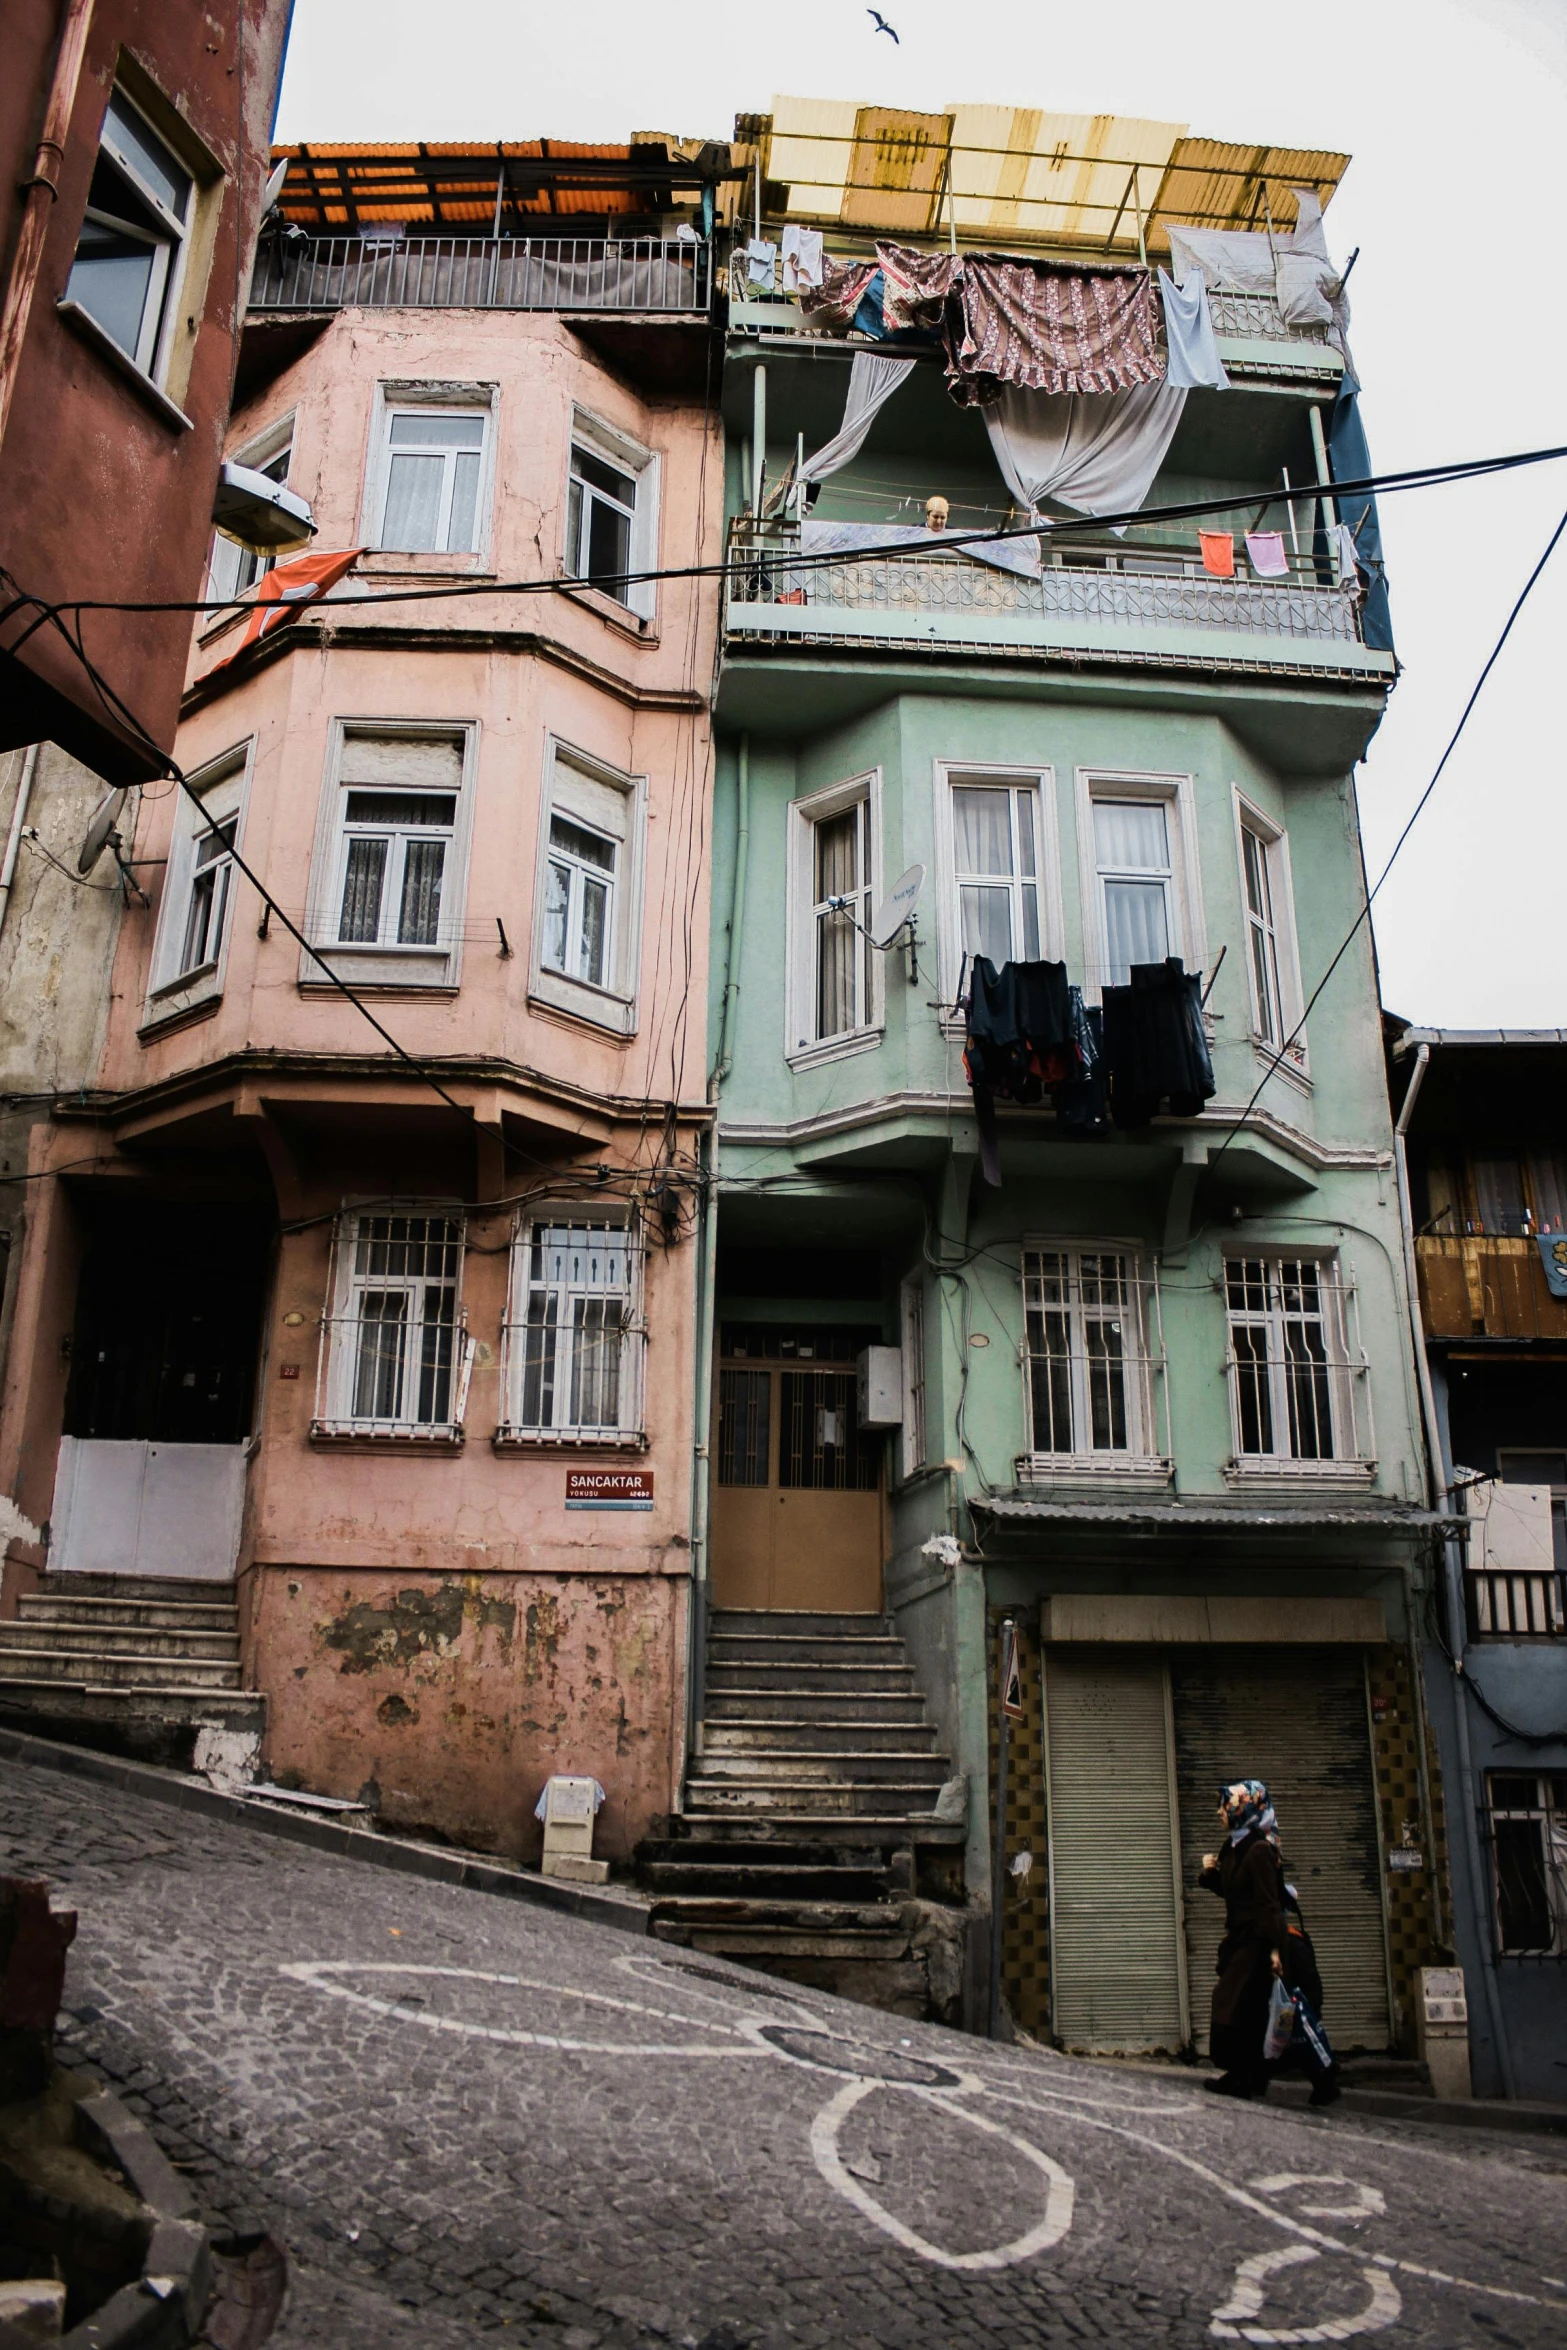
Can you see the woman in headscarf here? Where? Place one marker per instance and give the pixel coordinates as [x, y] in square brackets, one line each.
[1247, 1875]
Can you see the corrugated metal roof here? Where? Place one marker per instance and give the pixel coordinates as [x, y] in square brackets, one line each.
[1008, 174]
[1173, 1516]
[452, 183]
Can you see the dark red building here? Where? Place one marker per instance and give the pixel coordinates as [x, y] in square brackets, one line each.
[134, 154]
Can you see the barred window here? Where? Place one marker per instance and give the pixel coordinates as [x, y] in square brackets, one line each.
[1528, 1817]
[391, 1356]
[573, 1333]
[1288, 1359]
[1086, 1353]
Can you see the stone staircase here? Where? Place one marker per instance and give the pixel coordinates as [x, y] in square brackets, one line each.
[135, 1663]
[816, 1813]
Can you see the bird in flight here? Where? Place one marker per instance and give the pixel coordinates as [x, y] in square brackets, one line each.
[882, 26]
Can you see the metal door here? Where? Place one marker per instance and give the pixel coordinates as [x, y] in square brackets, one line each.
[1295, 1717]
[797, 1504]
[1117, 1959]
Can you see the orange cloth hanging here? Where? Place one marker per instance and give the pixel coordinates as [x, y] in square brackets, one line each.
[1218, 553]
[282, 591]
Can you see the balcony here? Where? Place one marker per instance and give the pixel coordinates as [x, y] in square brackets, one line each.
[1252, 335]
[1480, 1285]
[649, 276]
[1104, 598]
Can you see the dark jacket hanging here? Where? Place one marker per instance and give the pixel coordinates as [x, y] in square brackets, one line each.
[1020, 1040]
[1155, 1047]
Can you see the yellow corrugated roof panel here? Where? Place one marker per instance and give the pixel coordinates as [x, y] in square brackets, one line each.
[1018, 171]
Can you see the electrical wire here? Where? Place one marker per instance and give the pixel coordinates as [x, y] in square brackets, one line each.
[1036, 527]
[1365, 910]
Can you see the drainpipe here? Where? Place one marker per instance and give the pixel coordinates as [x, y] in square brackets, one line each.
[726, 1033]
[24, 793]
[39, 194]
[758, 438]
[1439, 1492]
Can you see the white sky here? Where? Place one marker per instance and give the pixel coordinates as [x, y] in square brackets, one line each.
[1456, 115]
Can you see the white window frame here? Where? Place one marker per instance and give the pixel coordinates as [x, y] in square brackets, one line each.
[160, 309]
[951, 775]
[1272, 842]
[398, 397]
[573, 1276]
[913, 1438]
[1177, 794]
[339, 1396]
[1351, 1457]
[802, 1048]
[1142, 1362]
[388, 962]
[605, 440]
[224, 786]
[613, 1005]
[233, 570]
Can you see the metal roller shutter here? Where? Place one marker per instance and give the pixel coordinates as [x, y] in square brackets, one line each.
[1297, 1719]
[1116, 1973]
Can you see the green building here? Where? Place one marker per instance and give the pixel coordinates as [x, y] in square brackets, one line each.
[1152, 1396]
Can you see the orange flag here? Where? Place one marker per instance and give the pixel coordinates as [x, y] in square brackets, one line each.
[286, 589]
[1218, 553]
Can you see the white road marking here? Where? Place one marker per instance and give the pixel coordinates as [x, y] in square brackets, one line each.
[314, 1974]
[1368, 2201]
[1060, 2193]
[1249, 2293]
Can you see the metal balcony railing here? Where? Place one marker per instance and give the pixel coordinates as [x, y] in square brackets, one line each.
[1086, 584]
[1503, 1606]
[668, 275]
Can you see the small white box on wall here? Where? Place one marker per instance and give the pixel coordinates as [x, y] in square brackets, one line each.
[879, 1387]
[568, 1806]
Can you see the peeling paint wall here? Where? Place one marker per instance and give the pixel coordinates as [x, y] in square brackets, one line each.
[445, 1702]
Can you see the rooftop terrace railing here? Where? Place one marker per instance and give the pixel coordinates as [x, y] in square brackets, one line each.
[671, 276]
[1104, 593]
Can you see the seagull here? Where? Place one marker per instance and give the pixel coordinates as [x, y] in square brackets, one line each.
[882, 26]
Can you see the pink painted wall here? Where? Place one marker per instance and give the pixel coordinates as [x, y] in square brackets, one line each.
[567, 1647]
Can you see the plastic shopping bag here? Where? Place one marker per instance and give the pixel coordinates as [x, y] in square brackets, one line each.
[1310, 2038]
[1281, 2022]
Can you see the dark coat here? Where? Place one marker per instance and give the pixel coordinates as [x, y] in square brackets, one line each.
[1250, 1882]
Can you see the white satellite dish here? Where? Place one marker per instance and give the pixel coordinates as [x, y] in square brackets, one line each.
[274, 187]
[897, 907]
[100, 828]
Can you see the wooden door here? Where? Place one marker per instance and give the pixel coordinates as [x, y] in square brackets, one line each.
[797, 1502]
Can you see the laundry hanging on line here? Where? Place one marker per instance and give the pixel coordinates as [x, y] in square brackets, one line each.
[760, 255]
[1155, 1045]
[1193, 363]
[802, 258]
[1218, 552]
[1021, 1039]
[1265, 552]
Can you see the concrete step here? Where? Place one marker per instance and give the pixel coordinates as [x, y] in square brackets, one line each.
[100, 1671]
[892, 1680]
[839, 1833]
[48, 1607]
[814, 1705]
[762, 1765]
[120, 1640]
[776, 1880]
[726, 1736]
[789, 1619]
[803, 1648]
[200, 1590]
[818, 1798]
[872, 1917]
[63, 1701]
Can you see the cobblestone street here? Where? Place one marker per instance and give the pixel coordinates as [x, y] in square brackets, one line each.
[466, 2117]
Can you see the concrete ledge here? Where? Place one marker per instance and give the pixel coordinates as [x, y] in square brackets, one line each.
[605, 1905]
[1205, 1622]
[164, 2308]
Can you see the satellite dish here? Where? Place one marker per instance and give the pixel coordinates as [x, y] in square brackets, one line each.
[100, 828]
[897, 907]
[274, 186]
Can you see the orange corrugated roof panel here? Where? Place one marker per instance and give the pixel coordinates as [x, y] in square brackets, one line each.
[450, 183]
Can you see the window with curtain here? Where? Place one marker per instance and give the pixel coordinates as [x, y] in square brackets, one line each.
[996, 833]
[1500, 1196]
[1087, 1357]
[1132, 856]
[434, 460]
[395, 847]
[133, 238]
[586, 909]
[392, 1343]
[573, 1335]
[579, 905]
[840, 915]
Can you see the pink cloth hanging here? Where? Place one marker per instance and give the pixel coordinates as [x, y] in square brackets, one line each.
[1266, 550]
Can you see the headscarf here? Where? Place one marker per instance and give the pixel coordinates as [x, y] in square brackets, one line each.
[1247, 1805]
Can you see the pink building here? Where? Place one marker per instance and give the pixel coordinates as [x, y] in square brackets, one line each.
[369, 1277]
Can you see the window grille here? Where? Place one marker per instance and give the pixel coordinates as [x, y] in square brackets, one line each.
[1528, 1825]
[395, 1361]
[1088, 1369]
[574, 1336]
[1297, 1389]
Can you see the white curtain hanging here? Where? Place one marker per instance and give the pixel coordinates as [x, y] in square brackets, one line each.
[873, 379]
[1095, 452]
